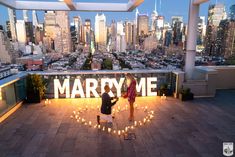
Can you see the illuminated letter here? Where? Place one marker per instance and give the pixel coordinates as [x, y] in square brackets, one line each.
[91, 89]
[105, 81]
[150, 86]
[57, 87]
[118, 86]
[141, 86]
[75, 91]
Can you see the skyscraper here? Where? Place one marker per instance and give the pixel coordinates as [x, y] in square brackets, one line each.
[78, 28]
[35, 18]
[225, 41]
[216, 13]
[25, 15]
[12, 22]
[129, 34]
[113, 32]
[50, 26]
[100, 32]
[201, 30]
[143, 24]
[177, 26]
[232, 12]
[120, 39]
[154, 17]
[63, 35]
[87, 32]
[21, 32]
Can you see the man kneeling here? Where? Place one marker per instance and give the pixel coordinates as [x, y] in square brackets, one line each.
[106, 107]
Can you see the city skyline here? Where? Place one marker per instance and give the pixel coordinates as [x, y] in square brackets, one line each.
[167, 9]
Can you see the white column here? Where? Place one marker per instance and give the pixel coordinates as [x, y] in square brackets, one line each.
[191, 39]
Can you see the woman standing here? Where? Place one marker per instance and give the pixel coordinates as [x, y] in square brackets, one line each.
[131, 94]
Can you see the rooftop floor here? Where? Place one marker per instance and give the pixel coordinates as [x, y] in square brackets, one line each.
[179, 129]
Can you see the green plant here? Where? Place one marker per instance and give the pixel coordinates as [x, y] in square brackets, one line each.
[35, 88]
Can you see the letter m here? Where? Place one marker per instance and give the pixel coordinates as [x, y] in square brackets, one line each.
[58, 89]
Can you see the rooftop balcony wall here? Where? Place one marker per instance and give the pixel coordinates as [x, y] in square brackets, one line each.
[12, 92]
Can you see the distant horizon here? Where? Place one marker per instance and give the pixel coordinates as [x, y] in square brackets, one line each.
[167, 9]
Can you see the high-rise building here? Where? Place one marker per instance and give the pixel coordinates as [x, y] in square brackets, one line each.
[225, 41]
[216, 13]
[50, 33]
[57, 31]
[129, 26]
[175, 19]
[35, 18]
[25, 15]
[78, 28]
[29, 32]
[21, 32]
[87, 32]
[143, 24]
[39, 33]
[12, 24]
[201, 30]
[63, 35]
[113, 32]
[120, 39]
[232, 12]
[100, 32]
[7, 52]
[160, 22]
[177, 27]
[154, 17]
[136, 16]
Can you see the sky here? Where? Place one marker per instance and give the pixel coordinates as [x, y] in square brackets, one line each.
[167, 9]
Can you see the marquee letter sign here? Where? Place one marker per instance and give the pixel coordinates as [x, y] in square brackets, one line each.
[145, 86]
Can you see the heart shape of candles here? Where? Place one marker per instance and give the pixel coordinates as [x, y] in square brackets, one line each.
[77, 116]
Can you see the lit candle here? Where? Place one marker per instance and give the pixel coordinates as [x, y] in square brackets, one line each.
[76, 116]
[95, 126]
[78, 120]
[119, 108]
[114, 131]
[126, 129]
[123, 131]
[132, 127]
[98, 126]
[90, 123]
[144, 120]
[71, 116]
[85, 123]
[74, 112]
[103, 128]
[109, 130]
[119, 132]
[135, 123]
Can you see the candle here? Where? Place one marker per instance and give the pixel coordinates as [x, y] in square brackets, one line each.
[109, 130]
[76, 116]
[74, 112]
[71, 116]
[126, 129]
[85, 123]
[119, 132]
[123, 131]
[78, 120]
[114, 131]
[95, 126]
[132, 127]
[144, 120]
[90, 123]
[135, 123]
[98, 126]
[103, 128]
[119, 108]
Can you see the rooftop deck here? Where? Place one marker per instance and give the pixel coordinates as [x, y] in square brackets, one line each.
[178, 129]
